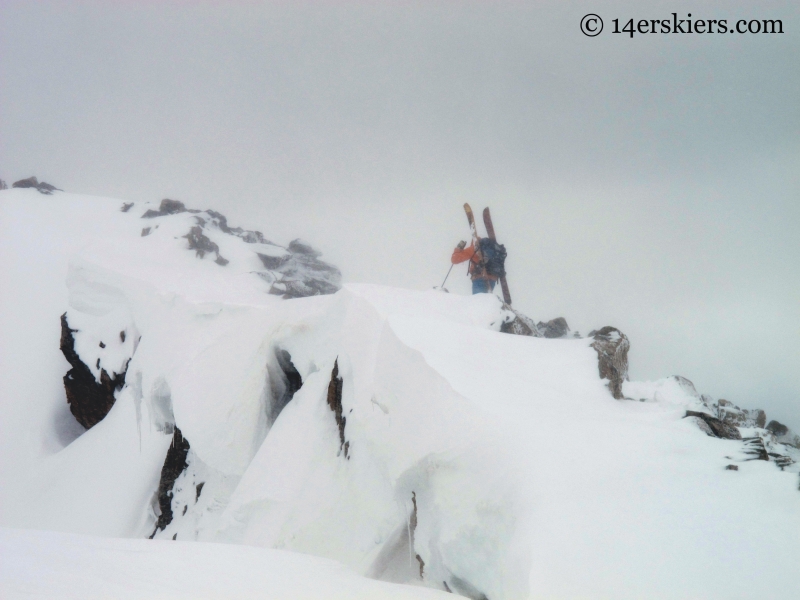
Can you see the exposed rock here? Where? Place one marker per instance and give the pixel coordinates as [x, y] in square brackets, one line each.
[46, 188]
[250, 237]
[31, 182]
[519, 324]
[612, 348]
[783, 434]
[126, 207]
[174, 464]
[731, 468]
[781, 460]
[754, 447]
[779, 429]
[732, 414]
[715, 426]
[412, 528]
[3, 185]
[89, 401]
[335, 404]
[555, 328]
[292, 272]
[201, 244]
[284, 381]
[273, 263]
[167, 207]
[299, 247]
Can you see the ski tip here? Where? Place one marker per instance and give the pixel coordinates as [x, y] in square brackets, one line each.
[486, 211]
[467, 207]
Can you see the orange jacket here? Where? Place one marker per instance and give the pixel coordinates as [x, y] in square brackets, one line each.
[476, 269]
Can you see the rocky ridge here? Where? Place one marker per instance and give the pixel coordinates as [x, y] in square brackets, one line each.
[293, 271]
[32, 182]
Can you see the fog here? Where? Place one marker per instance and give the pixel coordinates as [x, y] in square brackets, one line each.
[650, 183]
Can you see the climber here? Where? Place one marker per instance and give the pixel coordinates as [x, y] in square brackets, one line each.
[482, 281]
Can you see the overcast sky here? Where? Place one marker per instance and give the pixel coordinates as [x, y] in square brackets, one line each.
[650, 183]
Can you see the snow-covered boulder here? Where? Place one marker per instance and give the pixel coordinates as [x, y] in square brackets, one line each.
[516, 323]
[554, 328]
[783, 434]
[612, 355]
[729, 413]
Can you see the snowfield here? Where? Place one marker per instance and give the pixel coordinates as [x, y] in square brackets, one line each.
[396, 432]
[58, 566]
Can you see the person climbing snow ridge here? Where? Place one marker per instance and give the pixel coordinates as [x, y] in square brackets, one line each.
[482, 281]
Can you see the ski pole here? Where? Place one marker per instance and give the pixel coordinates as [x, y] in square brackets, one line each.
[446, 276]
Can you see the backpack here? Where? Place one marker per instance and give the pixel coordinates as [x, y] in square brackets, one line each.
[494, 257]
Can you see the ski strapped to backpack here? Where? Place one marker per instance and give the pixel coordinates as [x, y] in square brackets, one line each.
[487, 220]
[494, 257]
[494, 254]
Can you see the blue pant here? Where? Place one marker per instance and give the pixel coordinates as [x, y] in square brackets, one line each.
[483, 286]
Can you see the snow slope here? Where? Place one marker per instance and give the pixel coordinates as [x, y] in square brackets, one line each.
[57, 566]
[450, 455]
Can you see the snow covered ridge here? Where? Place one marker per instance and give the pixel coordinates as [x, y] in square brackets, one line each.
[399, 432]
[292, 272]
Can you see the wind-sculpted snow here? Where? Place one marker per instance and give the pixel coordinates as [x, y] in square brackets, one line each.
[398, 432]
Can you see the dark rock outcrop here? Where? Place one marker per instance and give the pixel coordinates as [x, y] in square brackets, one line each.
[30, 182]
[126, 207]
[715, 426]
[555, 328]
[612, 348]
[174, 464]
[783, 434]
[295, 271]
[779, 429]
[755, 448]
[284, 381]
[273, 263]
[41, 186]
[412, 529]
[89, 400]
[202, 244]
[167, 207]
[335, 404]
